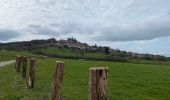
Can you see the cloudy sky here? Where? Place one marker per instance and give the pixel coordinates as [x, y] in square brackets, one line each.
[134, 25]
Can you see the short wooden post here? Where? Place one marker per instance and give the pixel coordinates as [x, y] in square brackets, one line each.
[57, 81]
[31, 73]
[98, 83]
[24, 67]
[18, 63]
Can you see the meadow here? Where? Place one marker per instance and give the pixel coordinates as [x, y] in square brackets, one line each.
[70, 53]
[126, 81]
[97, 56]
[10, 55]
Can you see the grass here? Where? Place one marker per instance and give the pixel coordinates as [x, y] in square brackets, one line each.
[70, 52]
[14, 53]
[10, 55]
[126, 81]
[76, 54]
[142, 61]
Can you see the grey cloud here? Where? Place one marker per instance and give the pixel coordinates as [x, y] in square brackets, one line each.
[46, 2]
[55, 29]
[7, 34]
[68, 28]
[101, 21]
[42, 30]
[146, 31]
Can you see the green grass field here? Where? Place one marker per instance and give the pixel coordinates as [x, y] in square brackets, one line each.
[70, 52]
[14, 53]
[7, 55]
[125, 82]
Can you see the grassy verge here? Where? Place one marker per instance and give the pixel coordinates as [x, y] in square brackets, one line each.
[142, 61]
[14, 53]
[126, 81]
[67, 53]
[96, 56]
[71, 52]
[10, 55]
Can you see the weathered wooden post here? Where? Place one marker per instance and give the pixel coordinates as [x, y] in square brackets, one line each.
[24, 67]
[15, 62]
[57, 81]
[31, 73]
[98, 83]
[18, 63]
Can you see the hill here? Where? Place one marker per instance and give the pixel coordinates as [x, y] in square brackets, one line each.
[71, 48]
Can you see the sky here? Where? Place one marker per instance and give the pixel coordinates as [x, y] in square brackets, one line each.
[141, 26]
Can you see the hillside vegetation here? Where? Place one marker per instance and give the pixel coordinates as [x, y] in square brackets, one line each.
[70, 53]
[71, 48]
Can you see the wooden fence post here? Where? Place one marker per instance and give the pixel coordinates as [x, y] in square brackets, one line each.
[57, 81]
[98, 83]
[24, 67]
[18, 63]
[31, 73]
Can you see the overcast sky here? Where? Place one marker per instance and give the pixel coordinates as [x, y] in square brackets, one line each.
[134, 25]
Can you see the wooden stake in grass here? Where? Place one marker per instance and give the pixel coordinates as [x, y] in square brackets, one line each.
[31, 73]
[98, 83]
[18, 63]
[57, 81]
[24, 67]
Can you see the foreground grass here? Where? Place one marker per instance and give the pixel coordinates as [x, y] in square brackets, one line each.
[126, 81]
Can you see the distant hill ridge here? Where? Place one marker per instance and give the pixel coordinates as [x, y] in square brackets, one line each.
[74, 44]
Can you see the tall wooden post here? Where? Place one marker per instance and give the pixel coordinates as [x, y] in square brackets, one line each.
[18, 63]
[98, 83]
[57, 81]
[31, 73]
[24, 67]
